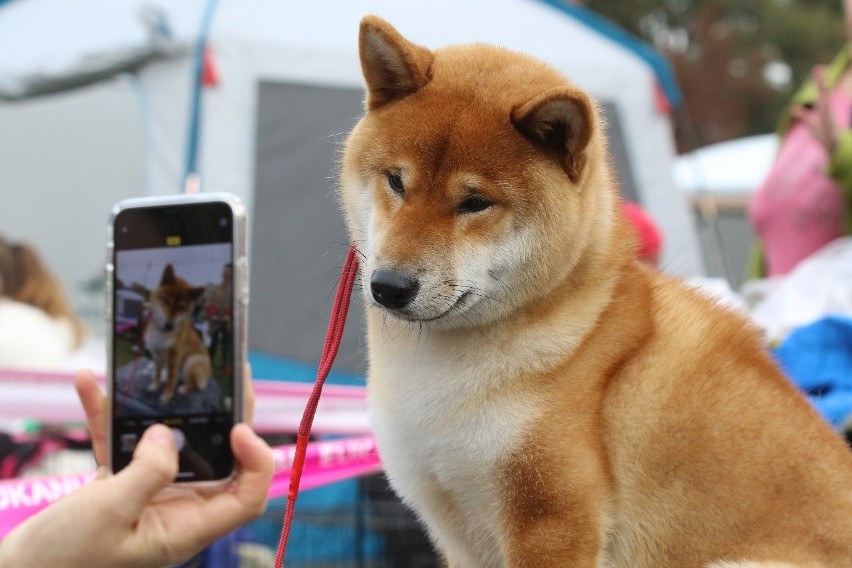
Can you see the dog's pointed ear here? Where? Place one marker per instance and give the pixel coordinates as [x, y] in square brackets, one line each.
[560, 121]
[168, 278]
[393, 67]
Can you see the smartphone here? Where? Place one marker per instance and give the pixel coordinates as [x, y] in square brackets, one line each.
[177, 299]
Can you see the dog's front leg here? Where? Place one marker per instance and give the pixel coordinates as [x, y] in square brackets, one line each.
[548, 542]
[171, 377]
[155, 378]
[556, 509]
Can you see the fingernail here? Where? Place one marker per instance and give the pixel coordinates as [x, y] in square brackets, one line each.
[251, 431]
[161, 435]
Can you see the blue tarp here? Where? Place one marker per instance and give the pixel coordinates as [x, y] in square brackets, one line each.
[818, 358]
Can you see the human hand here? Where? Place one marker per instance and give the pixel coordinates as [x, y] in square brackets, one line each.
[124, 520]
[819, 118]
[94, 405]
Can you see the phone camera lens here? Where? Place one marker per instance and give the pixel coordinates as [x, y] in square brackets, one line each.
[124, 229]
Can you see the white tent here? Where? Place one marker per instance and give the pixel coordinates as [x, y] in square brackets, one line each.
[734, 167]
[718, 180]
[289, 86]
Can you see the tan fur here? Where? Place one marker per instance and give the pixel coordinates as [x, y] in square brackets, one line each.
[541, 399]
[173, 341]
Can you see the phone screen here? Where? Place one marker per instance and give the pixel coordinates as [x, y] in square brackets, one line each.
[173, 340]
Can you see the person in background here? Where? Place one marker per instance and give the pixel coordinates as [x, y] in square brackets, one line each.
[219, 315]
[805, 201]
[30, 337]
[123, 519]
[649, 236]
[37, 286]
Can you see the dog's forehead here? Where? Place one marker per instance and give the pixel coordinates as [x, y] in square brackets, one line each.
[443, 127]
[496, 74]
[452, 139]
[471, 95]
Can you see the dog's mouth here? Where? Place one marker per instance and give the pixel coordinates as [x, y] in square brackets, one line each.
[401, 295]
[455, 307]
[413, 315]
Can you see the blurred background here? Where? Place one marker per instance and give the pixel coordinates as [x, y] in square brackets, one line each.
[96, 103]
[103, 100]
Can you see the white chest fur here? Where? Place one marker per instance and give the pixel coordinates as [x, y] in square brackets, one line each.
[445, 412]
[157, 341]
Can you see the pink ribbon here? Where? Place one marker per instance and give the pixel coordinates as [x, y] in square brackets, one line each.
[327, 461]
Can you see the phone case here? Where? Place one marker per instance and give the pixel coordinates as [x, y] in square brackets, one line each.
[240, 285]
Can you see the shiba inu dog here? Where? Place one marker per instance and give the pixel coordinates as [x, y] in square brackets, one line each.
[538, 396]
[177, 349]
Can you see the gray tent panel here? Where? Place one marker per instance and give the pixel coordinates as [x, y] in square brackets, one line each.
[297, 226]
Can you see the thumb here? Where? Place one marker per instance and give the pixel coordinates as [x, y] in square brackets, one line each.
[153, 467]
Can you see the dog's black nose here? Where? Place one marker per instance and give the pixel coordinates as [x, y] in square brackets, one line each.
[168, 326]
[393, 289]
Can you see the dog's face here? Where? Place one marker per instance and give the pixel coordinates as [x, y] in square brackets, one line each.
[472, 182]
[173, 301]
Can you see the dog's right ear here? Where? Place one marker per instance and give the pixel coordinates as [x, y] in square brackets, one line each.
[168, 278]
[560, 121]
[393, 67]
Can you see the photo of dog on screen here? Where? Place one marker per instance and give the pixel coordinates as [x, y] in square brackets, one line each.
[172, 330]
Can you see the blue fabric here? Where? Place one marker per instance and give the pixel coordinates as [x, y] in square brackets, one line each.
[222, 553]
[818, 358]
[661, 66]
[273, 368]
[194, 128]
[329, 527]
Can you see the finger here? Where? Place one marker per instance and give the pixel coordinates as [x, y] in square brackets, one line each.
[227, 510]
[819, 77]
[94, 404]
[255, 469]
[255, 466]
[153, 467]
[801, 113]
[810, 118]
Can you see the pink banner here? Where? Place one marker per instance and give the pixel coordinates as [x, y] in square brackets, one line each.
[327, 461]
[49, 397]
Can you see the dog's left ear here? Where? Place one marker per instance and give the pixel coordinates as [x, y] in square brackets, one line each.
[560, 121]
[393, 67]
[168, 278]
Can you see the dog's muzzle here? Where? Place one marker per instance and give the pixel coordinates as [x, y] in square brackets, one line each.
[393, 289]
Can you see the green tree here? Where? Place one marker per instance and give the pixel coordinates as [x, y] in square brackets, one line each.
[737, 61]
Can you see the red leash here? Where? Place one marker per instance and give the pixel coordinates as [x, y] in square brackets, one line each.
[329, 351]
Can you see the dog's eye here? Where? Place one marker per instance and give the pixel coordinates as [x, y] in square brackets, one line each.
[395, 183]
[474, 204]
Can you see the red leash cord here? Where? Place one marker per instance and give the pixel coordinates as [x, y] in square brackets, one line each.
[329, 351]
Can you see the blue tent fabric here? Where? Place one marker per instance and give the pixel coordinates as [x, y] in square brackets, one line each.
[275, 368]
[818, 358]
[661, 66]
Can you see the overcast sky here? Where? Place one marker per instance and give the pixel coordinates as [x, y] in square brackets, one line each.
[199, 264]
